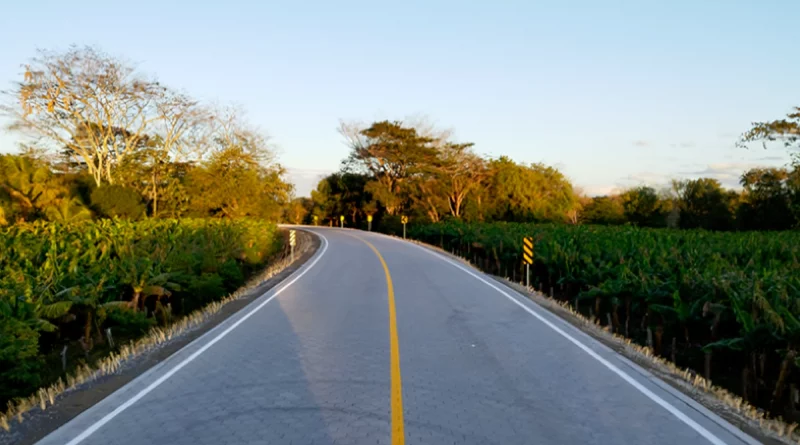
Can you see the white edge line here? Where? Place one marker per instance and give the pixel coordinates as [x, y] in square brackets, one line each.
[110, 416]
[641, 388]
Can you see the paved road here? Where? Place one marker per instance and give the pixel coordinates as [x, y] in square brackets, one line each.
[378, 341]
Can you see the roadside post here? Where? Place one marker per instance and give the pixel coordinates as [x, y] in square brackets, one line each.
[292, 242]
[404, 220]
[369, 223]
[316, 219]
[341, 221]
[527, 258]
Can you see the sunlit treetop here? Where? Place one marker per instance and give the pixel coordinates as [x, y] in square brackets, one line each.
[786, 130]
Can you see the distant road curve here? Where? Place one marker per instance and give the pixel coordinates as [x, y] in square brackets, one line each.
[380, 341]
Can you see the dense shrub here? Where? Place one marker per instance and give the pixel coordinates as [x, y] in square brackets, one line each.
[65, 284]
[114, 201]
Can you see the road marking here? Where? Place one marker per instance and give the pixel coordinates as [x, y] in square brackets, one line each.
[108, 417]
[708, 435]
[398, 428]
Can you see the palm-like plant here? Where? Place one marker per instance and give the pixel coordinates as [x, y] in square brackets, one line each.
[28, 184]
[68, 210]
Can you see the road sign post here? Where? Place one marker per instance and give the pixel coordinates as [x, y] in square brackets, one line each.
[527, 258]
[292, 242]
[316, 219]
[369, 223]
[341, 221]
[404, 220]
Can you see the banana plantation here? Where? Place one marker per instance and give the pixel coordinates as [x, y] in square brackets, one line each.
[723, 304]
[69, 292]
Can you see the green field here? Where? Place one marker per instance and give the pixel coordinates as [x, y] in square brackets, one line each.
[724, 304]
[67, 285]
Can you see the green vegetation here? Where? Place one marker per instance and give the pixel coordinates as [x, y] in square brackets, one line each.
[725, 304]
[78, 285]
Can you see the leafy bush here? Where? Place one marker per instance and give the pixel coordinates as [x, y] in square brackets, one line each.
[129, 323]
[114, 201]
[231, 274]
[20, 363]
[204, 289]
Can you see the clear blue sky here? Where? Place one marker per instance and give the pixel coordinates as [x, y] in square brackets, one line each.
[611, 92]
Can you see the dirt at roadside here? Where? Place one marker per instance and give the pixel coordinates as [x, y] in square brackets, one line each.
[37, 423]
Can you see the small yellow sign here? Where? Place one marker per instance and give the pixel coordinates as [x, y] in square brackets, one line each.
[292, 238]
[341, 218]
[527, 250]
[369, 218]
[404, 219]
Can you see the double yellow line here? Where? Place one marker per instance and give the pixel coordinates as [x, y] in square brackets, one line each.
[398, 429]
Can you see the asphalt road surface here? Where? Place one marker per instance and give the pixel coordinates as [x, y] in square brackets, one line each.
[379, 341]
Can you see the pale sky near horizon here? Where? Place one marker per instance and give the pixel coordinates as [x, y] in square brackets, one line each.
[613, 93]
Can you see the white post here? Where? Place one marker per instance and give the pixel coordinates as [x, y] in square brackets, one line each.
[527, 275]
[292, 242]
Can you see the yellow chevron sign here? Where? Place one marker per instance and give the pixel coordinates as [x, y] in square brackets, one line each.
[292, 239]
[404, 219]
[527, 250]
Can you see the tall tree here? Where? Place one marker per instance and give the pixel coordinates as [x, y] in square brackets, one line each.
[95, 106]
[239, 177]
[343, 193]
[603, 210]
[786, 130]
[461, 172]
[534, 192]
[643, 207]
[767, 200]
[703, 203]
[181, 122]
[297, 210]
[391, 153]
[428, 195]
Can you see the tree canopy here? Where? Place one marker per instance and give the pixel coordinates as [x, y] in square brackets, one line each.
[95, 122]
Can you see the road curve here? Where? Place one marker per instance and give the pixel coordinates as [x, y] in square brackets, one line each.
[379, 341]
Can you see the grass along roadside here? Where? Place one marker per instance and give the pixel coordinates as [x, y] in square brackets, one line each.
[727, 405]
[157, 338]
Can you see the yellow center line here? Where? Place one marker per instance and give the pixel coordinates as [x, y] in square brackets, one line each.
[398, 429]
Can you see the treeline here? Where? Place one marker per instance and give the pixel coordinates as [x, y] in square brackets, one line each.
[769, 200]
[412, 169]
[103, 140]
